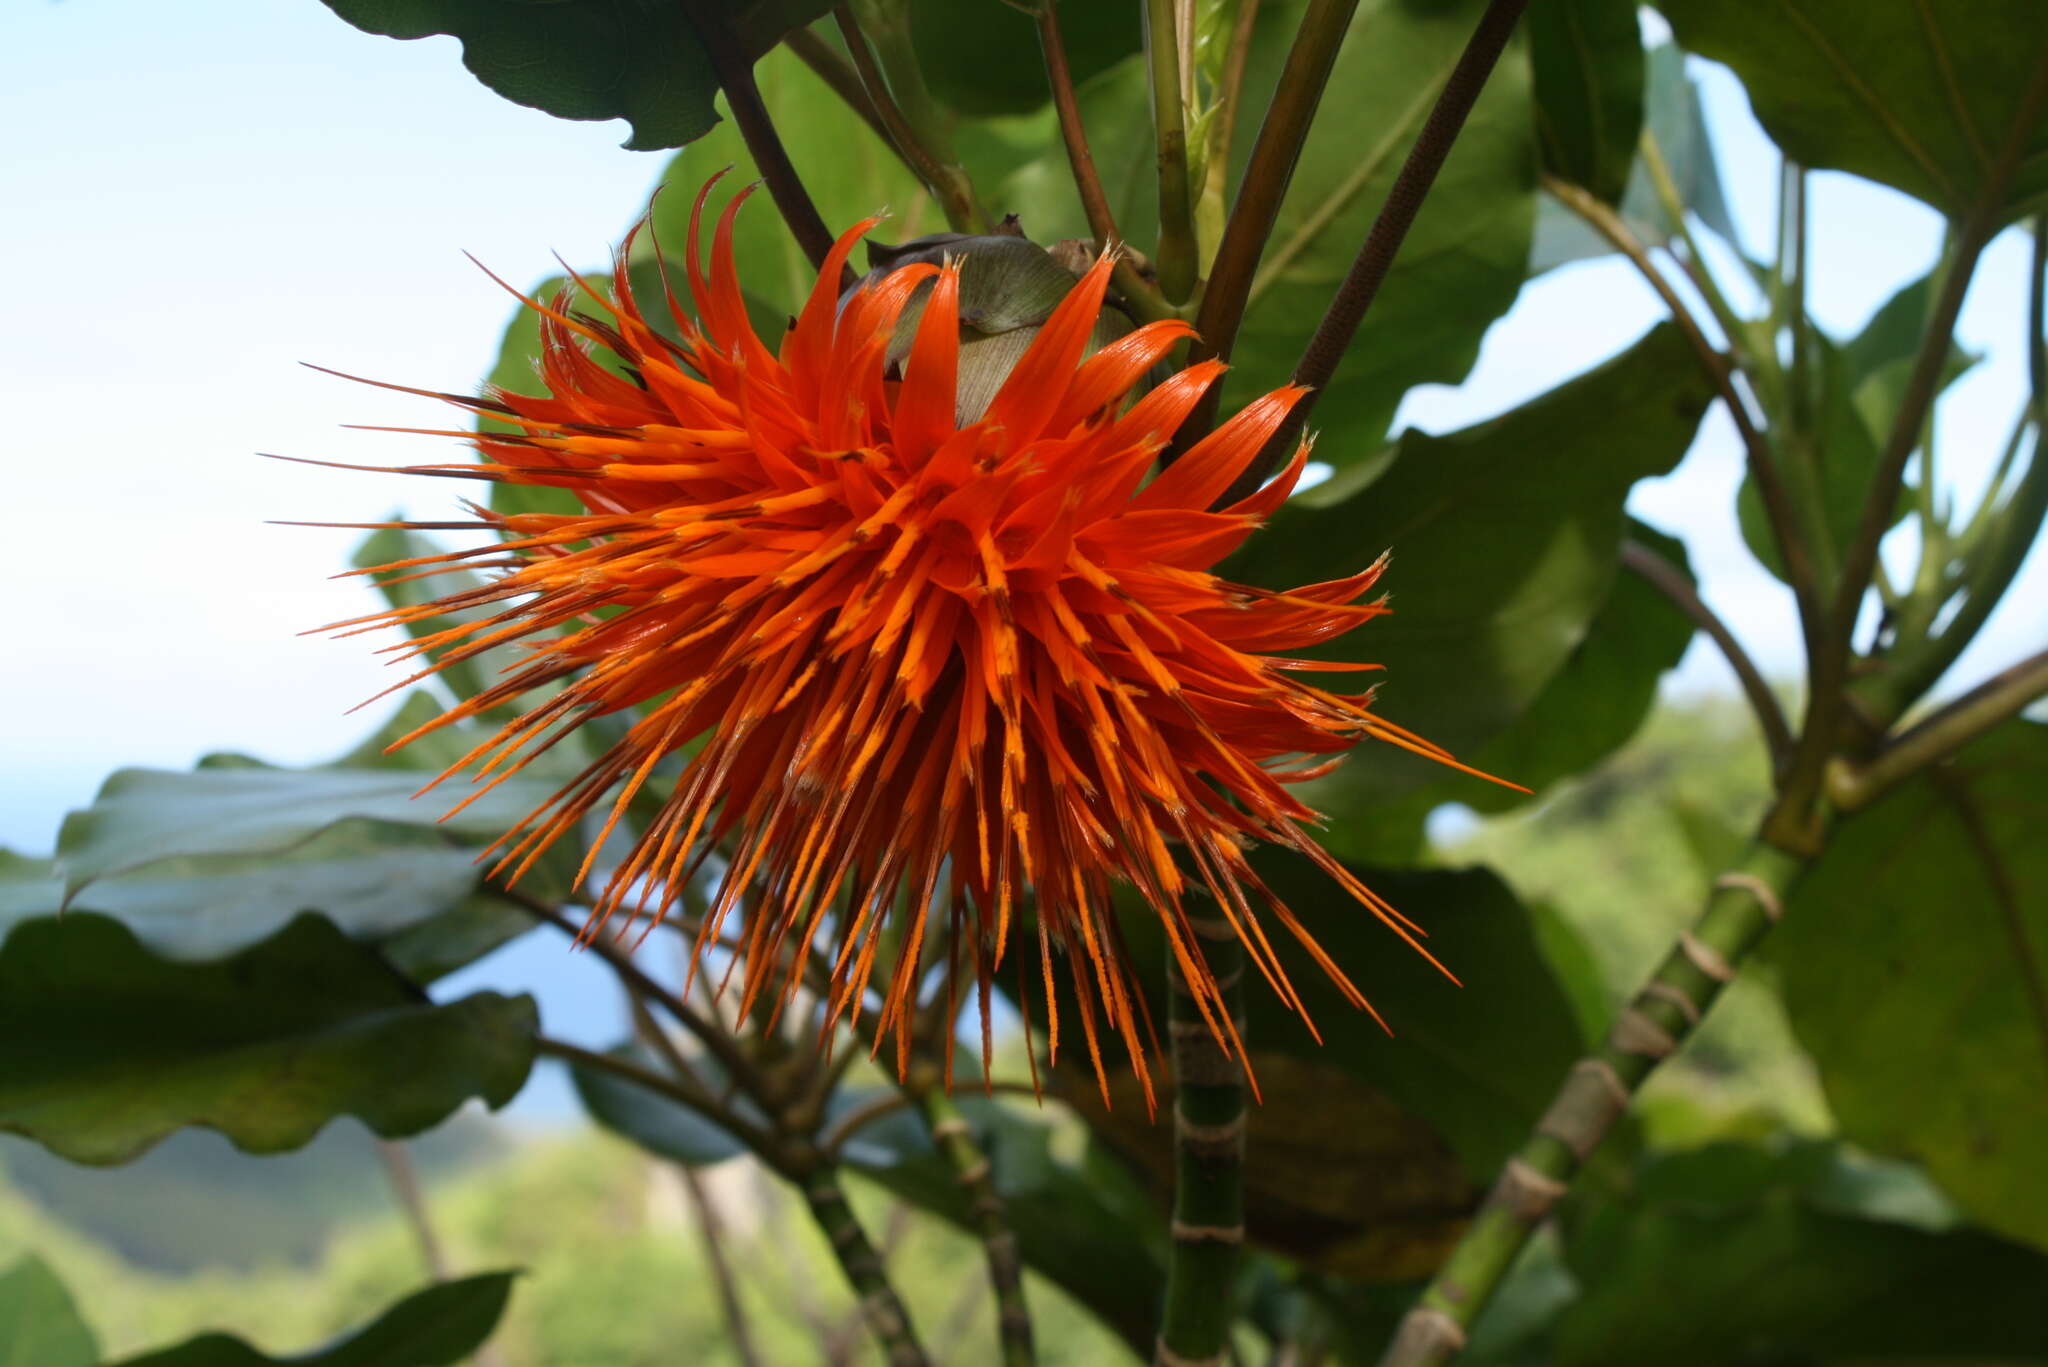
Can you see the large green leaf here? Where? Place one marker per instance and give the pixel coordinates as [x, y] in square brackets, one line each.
[1749, 1253]
[1880, 358]
[373, 880]
[982, 56]
[1587, 61]
[437, 1327]
[1504, 540]
[1591, 707]
[1920, 96]
[638, 60]
[1674, 117]
[105, 1048]
[39, 1323]
[1915, 970]
[1462, 263]
[142, 817]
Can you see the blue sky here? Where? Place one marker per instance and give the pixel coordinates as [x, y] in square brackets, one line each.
[198, 197]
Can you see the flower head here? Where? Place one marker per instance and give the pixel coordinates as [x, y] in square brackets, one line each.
[915, 669]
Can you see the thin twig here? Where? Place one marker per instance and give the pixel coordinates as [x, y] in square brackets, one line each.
[867, 1113]
[767, 1146]
[735, 74]
[405, 1185]
[1143, 296]
[2003, 695]
[947, 182]
[838, 73]
[714, 1038]
[1354, 298]
[1668, 580]
[711, 1223]
[986, 1211]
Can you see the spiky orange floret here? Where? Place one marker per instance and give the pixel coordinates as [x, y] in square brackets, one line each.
[931, 666]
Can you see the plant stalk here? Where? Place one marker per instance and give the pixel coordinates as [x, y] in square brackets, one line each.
[1174, 256]
[1141, 294]
[839, 73]
[1209, 1118]
[955, 1140]
[1746, 901]
[1828, 672]
[1354, 298]
[1271, 167]
[736, 76]
[1999, 539]
[881, 1309]
[711, 1224]
[2003, 695]
[916, 126]
[1666, 578]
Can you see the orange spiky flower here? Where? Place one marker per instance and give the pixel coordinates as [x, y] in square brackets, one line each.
[929, 665]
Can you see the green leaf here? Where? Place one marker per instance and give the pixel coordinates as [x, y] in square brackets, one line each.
[143, 817]
[1586, 57]
[39, 1323]
[1080, 1221]
[1590, 708]
[437, 1327]
[105, 1048]
[982, 57]
[1914, 962]
[1742, 1253]
[1460, 266]
[1476, 1077]
[638, 60]
[371, 879]
[1504, 540]
[1916, 95]
[1880, 358]
[1674, 117]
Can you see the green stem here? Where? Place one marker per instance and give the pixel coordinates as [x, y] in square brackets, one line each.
[1140, 295]
[1744, 904]
[1828, 697]
[1174, 256]
[1361, 284]
[1208, 1169]
[1266, 177]
[916, 125]
[735, 74]
[881, 1309]
[955, 1140]
[1673, 583]
[2005, 694]
[1693, 262]
[829, 66]
[1999, 538]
